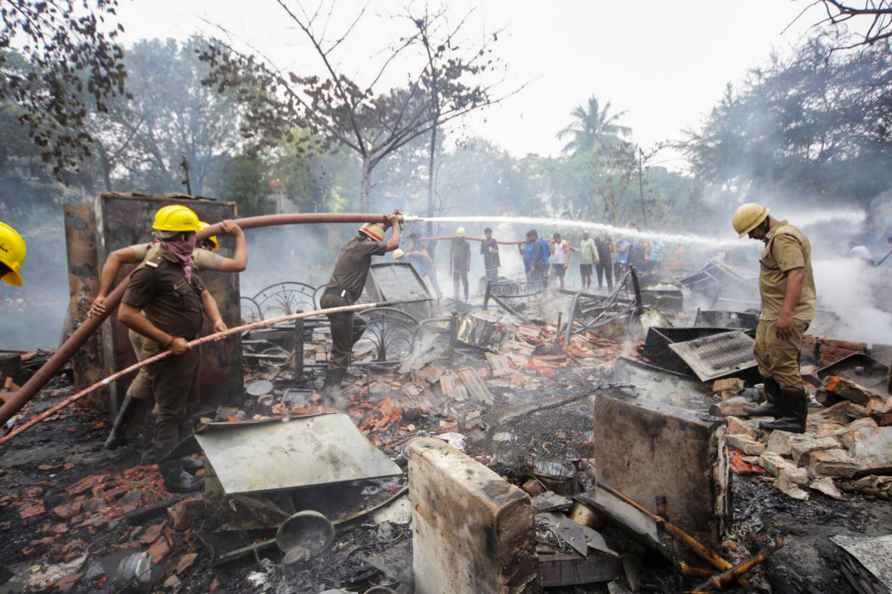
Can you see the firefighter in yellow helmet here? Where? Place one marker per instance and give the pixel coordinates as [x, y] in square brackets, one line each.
[166, 302]
[203, 258]
[787, 288]
[345, 287]
[12, 255]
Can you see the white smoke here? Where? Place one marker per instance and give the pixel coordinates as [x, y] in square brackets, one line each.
[851, 289]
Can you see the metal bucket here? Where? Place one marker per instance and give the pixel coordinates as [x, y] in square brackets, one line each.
[304, 535]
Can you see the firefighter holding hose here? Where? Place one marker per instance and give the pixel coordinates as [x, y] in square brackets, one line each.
[345, 287]
[12, 255]
[787, 288]
[204, 257]
[166, 302]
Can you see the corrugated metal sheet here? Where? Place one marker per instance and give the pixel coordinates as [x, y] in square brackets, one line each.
[717, 356]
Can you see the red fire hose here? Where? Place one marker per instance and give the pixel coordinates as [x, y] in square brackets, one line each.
[14, 401]
[198, 341]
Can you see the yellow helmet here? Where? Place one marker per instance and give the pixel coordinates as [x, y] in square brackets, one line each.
[373, 231]
[748, 217]
[12, 254]
[176, 218]
[460, 232]
[213, 238]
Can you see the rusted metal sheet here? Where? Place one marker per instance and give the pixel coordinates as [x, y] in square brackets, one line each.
[116, 220]
[716, 356]
[323, 449]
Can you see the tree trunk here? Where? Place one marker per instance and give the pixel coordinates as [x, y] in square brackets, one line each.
[106, 167]
[365, 187]
[430, 178]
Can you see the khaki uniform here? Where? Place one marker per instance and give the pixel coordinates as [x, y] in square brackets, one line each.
[345, 287]
[141, 386]
[159, 288]
[786, 249]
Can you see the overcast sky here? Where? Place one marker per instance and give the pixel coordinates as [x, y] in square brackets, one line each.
[665, 63]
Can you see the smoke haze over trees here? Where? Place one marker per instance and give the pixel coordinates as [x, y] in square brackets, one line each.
[812, 125]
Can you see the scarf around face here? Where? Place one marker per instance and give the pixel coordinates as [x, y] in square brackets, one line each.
[181, 248]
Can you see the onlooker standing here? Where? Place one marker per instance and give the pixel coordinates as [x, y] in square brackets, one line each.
[623, 251]
[490, 250]
[460, 262]
[535, 259]
[560, 257]
[588, 256]
[657, 253]
[605, 262]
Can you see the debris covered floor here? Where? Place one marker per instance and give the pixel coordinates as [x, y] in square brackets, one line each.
[522, 388]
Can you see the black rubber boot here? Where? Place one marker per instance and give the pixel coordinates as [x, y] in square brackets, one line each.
[794, 409]
[770, 408]
[116, 437]
[331, 389]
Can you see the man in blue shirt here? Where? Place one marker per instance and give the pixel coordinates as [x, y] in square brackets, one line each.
[535, 252]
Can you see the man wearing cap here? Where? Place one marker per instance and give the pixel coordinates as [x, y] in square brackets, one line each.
[489, 248]
[460, 262]
[345, 287]
[12, 255]
[203, 258]
[166, 302]
[787, 288]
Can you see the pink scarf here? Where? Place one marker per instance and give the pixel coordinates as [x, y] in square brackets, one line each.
[181, 249]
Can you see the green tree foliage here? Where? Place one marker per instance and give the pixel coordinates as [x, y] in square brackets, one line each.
[593, 127]
[72, 64]
[817, 125]
[169, 115]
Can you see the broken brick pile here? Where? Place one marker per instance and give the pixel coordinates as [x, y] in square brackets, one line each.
[847, 447]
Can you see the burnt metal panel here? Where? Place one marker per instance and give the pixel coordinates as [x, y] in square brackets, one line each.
[663, 297]
[399, 282]
[861, 369]
[717, 356]
[727, 319]
[719, 280]
[656, 345]
[482, 331]
[270, 456]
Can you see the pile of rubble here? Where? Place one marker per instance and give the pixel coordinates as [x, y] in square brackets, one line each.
[847, 446]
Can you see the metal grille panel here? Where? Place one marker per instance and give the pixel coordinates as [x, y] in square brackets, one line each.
[716, 356]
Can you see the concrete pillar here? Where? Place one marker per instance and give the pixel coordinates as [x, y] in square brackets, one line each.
[648, 450]
[473, 532]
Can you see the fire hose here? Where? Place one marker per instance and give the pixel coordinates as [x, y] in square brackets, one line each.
[198, 341]
[448, 237]
[14, 401]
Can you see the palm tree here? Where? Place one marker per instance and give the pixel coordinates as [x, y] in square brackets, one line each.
[593, 127]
